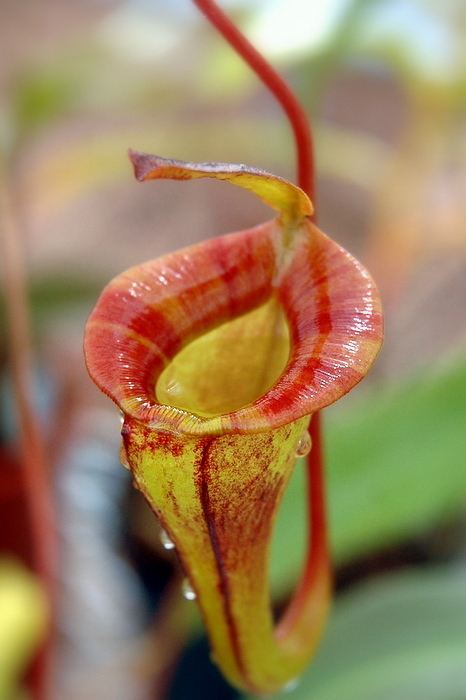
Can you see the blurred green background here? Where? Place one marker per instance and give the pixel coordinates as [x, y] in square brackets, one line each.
[384, 84]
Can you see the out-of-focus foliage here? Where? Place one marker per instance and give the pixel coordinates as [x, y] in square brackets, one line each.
[396, 469]
[396, 637]
[23, 618]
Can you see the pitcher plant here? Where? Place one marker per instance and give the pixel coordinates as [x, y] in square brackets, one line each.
[220, 357]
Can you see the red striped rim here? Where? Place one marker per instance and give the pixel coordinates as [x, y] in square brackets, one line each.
[146, 315]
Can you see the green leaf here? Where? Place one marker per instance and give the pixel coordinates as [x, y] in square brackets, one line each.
[395, 470]
[41, 97]
[397, 463]
[399, 637]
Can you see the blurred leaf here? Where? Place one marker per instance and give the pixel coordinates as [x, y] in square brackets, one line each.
[401, 637]
[79, 81]
[41, 96]
[65, 82]
[22, 622]
[82, 165]
[57, 294]
[397, 464]
[49, 293]
[396, 468]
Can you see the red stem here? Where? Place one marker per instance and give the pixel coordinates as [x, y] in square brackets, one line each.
[277, 86]
[34, 466]
[317, 567]
[317, 560]
[316, 490]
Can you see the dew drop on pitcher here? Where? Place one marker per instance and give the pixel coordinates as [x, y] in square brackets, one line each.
[304, 445]
[187, 590]
[167, 543]
[123, 457]
[291, 685]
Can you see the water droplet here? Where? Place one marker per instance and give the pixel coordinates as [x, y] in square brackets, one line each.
[291, 685]
[304, 445]
[187, 590]
[122, 417]
[123, 457]
[166, 541]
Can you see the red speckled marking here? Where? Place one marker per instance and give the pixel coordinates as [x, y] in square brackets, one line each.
[236, 524]
[203, 485]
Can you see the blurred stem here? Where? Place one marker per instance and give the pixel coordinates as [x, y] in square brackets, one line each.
[308, 607]
[32, 456]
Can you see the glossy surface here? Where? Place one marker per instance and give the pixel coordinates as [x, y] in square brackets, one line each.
[147, 315]
[218, 355]
[230, 366]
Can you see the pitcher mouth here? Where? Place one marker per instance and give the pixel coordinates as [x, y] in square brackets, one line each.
[147, 316]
